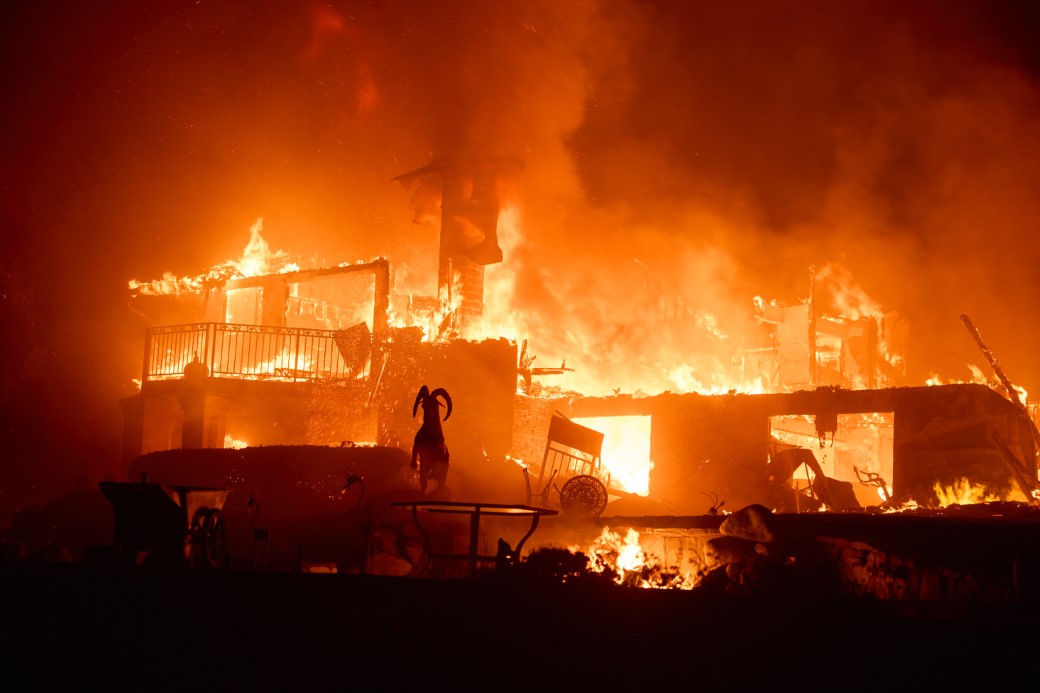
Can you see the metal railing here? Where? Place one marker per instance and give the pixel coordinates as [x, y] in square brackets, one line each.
[254, 352]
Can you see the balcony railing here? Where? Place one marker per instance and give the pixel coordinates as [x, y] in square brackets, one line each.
[257, 352]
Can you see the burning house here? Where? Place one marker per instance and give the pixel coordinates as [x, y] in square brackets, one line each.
[290, 356]
[278, 355]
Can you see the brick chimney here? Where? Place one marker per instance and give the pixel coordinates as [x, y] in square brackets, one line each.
[468, 189]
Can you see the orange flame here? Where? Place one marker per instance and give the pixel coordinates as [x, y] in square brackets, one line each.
[257, 259]
[963, 492]
[626, 455]
[625, 558]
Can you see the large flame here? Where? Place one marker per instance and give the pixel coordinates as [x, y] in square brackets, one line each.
[257, 260]
[625, 558]
[691, 352]
[963, 492]
[626, 450]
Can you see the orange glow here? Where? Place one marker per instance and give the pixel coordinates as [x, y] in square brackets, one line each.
[962, 492]
[626, 450]
[500, 282]
[979, 377]
[633, 567]
[848, 297]
[326, 23]
[254, 262]
[714, 368]
[257, 259]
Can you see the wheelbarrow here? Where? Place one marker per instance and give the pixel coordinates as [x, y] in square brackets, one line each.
[572, 456]
[163, 526]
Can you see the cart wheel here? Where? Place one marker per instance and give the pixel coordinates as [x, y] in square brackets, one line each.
[214, 535]
[583, 494]
[193, 546]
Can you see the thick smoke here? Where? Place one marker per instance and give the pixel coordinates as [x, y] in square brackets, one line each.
[683, 158]
[729, 154]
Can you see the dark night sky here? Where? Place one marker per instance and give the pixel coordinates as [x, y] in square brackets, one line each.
[713, 152]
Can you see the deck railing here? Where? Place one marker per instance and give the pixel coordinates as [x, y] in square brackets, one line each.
[254, 352]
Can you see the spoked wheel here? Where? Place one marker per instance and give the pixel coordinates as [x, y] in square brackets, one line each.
[214, 539]
[583, 495]
[207, 539]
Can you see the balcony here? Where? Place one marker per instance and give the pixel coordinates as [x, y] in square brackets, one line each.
[257, 352]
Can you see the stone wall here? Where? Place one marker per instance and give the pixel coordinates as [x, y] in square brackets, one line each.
[480, 377]
[530, 426]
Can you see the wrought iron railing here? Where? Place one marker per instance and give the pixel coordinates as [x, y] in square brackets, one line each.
[255, 352]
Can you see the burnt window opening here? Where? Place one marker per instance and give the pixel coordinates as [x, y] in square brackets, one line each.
[626, 449]
[855, 457]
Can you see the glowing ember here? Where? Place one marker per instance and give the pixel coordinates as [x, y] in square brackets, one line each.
[624, 557]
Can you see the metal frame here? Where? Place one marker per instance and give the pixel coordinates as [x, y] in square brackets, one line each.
[564, 444]
[247, 351]
[572, 457]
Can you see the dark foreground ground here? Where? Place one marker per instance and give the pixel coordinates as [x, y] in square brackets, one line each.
[78, 627]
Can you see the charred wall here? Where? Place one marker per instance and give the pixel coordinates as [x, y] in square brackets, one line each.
[479, 376]
[962, 433]
[707, 448]
[943, 435]
[530, 424]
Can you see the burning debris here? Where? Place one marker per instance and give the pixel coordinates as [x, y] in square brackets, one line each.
[610, 559]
